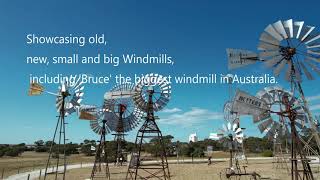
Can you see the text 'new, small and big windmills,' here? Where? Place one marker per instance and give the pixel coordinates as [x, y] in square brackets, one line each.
[152, 93]
[68, 100]
[124, 118]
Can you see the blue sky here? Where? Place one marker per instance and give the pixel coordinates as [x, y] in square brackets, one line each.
[196, 34]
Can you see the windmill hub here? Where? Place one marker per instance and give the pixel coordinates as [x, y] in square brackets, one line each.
[65, 93]
[287, 52]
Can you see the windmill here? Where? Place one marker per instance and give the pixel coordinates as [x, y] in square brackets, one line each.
[232, 137]
[276, 127]
[125, 116]
[68, 99]
[231, 116]
[152, 93]
[293, 117]
[290, 44]
[98, 117]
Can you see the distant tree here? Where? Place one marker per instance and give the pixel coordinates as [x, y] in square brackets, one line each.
[2, 152]
[39, 143]
[86, 147]
[49, 143]
[14, 151]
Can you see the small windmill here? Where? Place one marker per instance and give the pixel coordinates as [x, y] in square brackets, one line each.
[233, 138]
[125, 116]
[152, 93]
[98, 117]
[68, 99]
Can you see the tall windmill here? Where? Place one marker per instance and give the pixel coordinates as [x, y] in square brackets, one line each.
[293, 117]
[152, 93]
[98, 117]
[125, 115]
[68, 100]
[276, 127]
[290, 48]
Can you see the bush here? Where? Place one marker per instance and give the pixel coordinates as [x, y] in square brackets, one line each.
[13, 152]
[267, 153]
[2, 152]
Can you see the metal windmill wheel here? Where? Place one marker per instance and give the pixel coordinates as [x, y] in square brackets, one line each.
[126, 116]
[74, 92]
[69, 95]
[233, 133]
[102, 116]
[271, 124]
[161, 92]
[293, 44]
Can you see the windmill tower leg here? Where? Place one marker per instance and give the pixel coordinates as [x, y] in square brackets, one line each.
[119, 139]
[61, 137]
[101, 158]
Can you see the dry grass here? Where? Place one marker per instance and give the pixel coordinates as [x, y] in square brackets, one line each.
[196, 171]
[30, 160]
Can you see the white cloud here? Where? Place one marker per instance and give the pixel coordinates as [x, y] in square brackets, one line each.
[315, 107]
[173, 110]
[313, 98]
[194, 116]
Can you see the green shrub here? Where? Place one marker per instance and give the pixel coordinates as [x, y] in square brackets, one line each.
[267, 153]
[2, 152]
[13, 152]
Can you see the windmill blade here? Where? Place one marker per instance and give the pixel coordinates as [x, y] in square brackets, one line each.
[297, 73]
[306, 72]
[313, 39]
[313, 67]
[289, 25]
[267, 47]
[229, 126]
[225, 129]
[279, 67]
[265, 124]
[311, 46]
[261, 117]
[278, 26]
[238, 130]
[272, 62]
[317, 60]
[265, 37]
[288, 76]
[274, 127]
[270, 29]
[270, 54]
[313, 53]
[234, 127]
[306, 32]
[299, 29]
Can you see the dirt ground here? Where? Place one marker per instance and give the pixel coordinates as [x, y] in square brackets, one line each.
[200, 171]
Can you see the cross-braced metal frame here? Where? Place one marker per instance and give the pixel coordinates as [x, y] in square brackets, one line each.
[101, 167]
[61, 142]
[149, 130]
